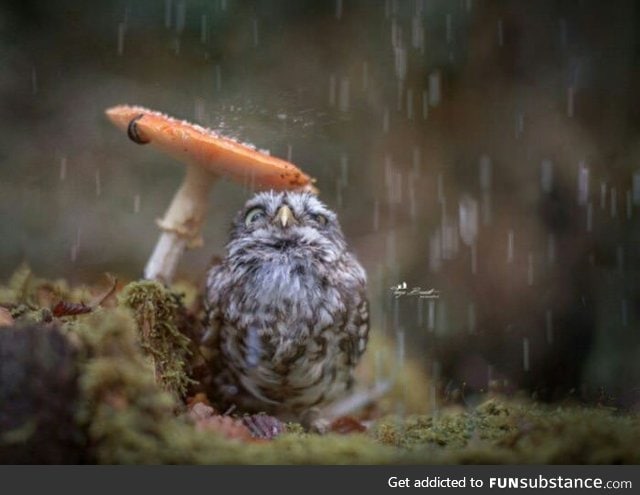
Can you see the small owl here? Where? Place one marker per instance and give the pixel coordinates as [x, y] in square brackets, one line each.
[287, 310]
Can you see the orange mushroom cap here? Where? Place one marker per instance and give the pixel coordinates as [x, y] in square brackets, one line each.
[202, 147]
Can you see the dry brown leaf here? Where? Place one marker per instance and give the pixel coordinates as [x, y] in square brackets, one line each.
[6, 320]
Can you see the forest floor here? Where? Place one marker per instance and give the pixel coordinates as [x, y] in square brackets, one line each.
[103, 375]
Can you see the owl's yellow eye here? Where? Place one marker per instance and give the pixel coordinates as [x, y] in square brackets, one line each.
[253, 215]
[321, 219]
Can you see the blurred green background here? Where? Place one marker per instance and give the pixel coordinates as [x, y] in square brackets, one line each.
[486, 149]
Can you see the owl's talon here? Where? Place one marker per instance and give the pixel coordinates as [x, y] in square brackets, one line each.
[313, 422]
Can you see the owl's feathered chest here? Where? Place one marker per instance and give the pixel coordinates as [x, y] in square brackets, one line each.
[289, 332]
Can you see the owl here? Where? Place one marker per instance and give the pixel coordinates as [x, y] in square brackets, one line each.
[287, 315]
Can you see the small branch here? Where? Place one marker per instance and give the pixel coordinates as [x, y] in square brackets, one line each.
[102, 298]
[357, 400]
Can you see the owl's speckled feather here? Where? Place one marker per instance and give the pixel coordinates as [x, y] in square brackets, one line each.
[287, 310]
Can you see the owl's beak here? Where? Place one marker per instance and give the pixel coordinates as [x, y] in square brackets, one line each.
[285, 216]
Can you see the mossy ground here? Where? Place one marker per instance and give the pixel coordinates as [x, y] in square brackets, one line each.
[129, 411]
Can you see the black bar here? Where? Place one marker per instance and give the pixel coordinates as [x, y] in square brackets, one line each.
[306, 480]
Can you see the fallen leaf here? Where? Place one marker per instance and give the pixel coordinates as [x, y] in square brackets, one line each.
[346, 425]
[6, 320]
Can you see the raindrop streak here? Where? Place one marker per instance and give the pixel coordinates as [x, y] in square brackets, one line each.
[417, 160]
[468, 218]
[136, 203]
[449, 28]
[440, 188]
[338, 9]
[203, 29]
[620, 258]
[254, 32]
[614, 203]
[98, 184]
[401, 62]
[624, 313]
[168, 9]
[485, 172]
[434, 89]
[395, 41]
[121, 32]
[546, 176]
[365, 76]
[425, 104]
[530, 269]
[570, 100]
[385, 120]
[410, 104]
[443, 322]
[181, 15]
[420, 317]
[199, 112]
[218, 74]
[449, 239]
[629, 205]
[548, 317]
[563, 33]
[471, 318]
[431, 315]
[332, 90]
[34, 80]
[467, 5]
[63, 168]
[376, 215]
[603, 195]
[396, 313]
[433, 397]
[589, 217]
[551, 249]
[474, 259]
[636, 188]
[583, 184]
[393, 181]
[525, 354]
[510, 237]
[378, 367]
[392, 253]
[500, 33]
[519, 129]
[400, 353]
[486, 208]
[413, 209]
[75, 248]
[344, 95]
[417, 33]
[289, 152]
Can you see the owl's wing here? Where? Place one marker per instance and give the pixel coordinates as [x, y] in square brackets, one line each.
[357, 329]
[361, 323]
[212, 320]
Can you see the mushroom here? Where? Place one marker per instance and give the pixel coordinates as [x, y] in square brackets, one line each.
[207, 156]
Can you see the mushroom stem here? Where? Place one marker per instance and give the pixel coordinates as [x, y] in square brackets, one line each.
[181, 225]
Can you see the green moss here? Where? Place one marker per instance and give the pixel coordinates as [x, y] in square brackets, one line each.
[129, 409]
[157, 312]
[501, 431]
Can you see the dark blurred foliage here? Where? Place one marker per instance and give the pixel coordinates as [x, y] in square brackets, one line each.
[38, 397]
[543, 294]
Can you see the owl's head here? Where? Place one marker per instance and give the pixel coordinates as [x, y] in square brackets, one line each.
[287, 222]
